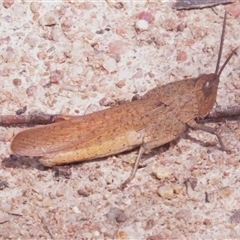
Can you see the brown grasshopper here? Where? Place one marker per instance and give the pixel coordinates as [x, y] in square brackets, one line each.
[159, 117]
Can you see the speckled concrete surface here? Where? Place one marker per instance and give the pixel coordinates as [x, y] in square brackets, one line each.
[78, 57]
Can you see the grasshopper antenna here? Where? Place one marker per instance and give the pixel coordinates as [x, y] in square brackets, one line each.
[221, 47]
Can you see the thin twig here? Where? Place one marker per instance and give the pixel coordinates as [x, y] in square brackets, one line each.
[191, 4]
[216, 115]
[220, 114]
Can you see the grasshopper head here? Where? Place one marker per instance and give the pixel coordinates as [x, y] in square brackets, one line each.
[206, 92]
[207, 84]
[206, 88]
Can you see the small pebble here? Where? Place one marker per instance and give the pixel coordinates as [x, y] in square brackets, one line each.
[35, 6]
[46, 203]
[19, 9]
[6, 134]
[32, 90]
[91, 108]
[38, 187]
[120, 84]
[151, 75]
[56, 76]
[3, 184]
[17, 82]
[188, 71]
[56, 33]
[48, 19]
[171, 24]
[146, 16]
[181, 27]
[8, 54]
[36, 16]
[183, 214]
[161, 172]
[7, 3]
[60, 192]
[32, 40]
[116, 214]
[104, 101]
[177, 188]
[192, 181]
[5, 218]
[181, 56]
[199, 32]
[8, 19]
[110, 65]
[234, 9]
[225, 191]
[120, 31]
[83, 193]
[141, 25]
[207, 222]
[235, 218]
[86, 5]
[39, 197]
[27, 58]
[52, 195]
[191, 193]
[150, 224]
[121, 235]
[21, 110]
[166, 192]
[138, 74]
[42, 55]
[118, 5]
[95, 234]
[5, 206]
[5, 40]
[62, 172]
[76, 209]
[118, 47]
[155, 237]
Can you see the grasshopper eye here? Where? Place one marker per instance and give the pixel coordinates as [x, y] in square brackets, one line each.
[207, 88]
